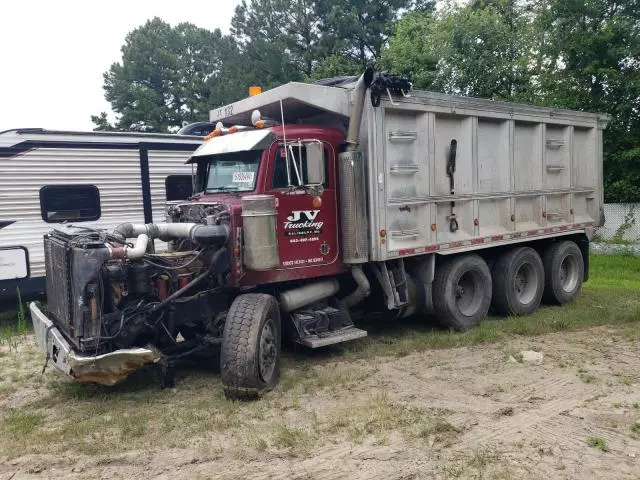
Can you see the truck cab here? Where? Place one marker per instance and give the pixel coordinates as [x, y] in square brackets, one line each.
[296, 165]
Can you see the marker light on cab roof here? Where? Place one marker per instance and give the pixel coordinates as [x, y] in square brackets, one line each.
[255, 90]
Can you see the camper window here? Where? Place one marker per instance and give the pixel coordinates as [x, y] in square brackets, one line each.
[178, 187]
[77, 203]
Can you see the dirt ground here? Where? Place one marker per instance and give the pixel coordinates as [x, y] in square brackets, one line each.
[472, 412]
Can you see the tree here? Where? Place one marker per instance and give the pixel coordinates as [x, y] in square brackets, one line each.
[285, 40]
[278, 39]
[577, 54]
[480, 49]
[592, 63]
[102, 123]
[335, 65]
[358, 30]
[168, 76]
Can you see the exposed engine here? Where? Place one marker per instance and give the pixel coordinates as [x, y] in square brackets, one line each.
[109, 293]
[207, 213]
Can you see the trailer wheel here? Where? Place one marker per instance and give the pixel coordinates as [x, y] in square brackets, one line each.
[563, 272]
[250, 353]
[518, 282]
[462, 292]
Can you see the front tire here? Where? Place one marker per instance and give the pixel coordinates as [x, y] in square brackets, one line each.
[250, 353]
[518, 282]
[462, 292]
[564, 272]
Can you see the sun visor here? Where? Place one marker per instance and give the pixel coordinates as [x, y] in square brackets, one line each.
[234, 142]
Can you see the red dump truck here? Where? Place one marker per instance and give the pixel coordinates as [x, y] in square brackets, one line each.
[319, 203]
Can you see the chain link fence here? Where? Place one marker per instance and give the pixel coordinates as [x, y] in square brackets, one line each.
[621, 231]
[622, 223]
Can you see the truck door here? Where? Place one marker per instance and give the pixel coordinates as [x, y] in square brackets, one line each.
[307, 216]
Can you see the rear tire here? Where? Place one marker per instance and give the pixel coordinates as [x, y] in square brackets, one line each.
[462, 292]
[563, 271]
[250, 353]
[518, 282]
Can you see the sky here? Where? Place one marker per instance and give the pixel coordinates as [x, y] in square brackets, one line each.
[54, 53]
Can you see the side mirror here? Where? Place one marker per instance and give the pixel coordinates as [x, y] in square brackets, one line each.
[315, 163]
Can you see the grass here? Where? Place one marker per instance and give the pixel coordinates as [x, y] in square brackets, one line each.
[616, 240]
[481, 458]
[635, 427]
[14, 323]
[588, 378]
[598, 442]
[137, 415]
[610, 297]
[21, 423]
[296, 441]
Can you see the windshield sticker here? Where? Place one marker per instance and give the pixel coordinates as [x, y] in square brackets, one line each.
[243, 177]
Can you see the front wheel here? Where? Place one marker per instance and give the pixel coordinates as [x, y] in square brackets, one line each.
[250, 354]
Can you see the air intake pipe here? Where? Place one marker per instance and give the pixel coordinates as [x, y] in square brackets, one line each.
[215, 235]
[355, 116]
[132, 253]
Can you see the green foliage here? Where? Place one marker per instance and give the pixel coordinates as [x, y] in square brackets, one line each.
[278, 39]
[577, 54]
[592, 63]
[358, 30]
[479, 50]
[102, 123]
[285, 40]
[334, 66]
[13, 324]
[598, 442]
[168, 76]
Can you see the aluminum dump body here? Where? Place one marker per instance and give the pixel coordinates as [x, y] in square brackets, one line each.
[521, 172]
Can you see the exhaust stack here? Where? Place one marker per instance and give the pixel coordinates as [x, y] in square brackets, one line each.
[355, 116]
[353, 193]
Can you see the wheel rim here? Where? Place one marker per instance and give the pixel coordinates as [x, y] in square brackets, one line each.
[525, 283]
[569, 273]
[468, 294]
[268, 354]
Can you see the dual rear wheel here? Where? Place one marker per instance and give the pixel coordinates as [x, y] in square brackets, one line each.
[464, 288]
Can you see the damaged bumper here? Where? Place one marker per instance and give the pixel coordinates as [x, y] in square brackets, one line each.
[106, 369]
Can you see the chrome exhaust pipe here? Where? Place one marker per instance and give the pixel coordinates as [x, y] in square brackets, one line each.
[355, 116]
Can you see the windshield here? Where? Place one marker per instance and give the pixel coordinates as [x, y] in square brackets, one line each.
[236, 172]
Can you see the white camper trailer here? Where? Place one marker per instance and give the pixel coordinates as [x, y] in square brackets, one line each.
[82, 178]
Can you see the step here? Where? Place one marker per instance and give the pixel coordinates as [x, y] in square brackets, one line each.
[339, 336]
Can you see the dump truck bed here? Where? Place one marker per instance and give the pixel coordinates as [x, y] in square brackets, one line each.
[521, 171]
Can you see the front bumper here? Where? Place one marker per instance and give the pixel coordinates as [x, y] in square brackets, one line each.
[106, 369]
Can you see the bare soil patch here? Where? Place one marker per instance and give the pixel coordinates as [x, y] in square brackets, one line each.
[483, 411]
